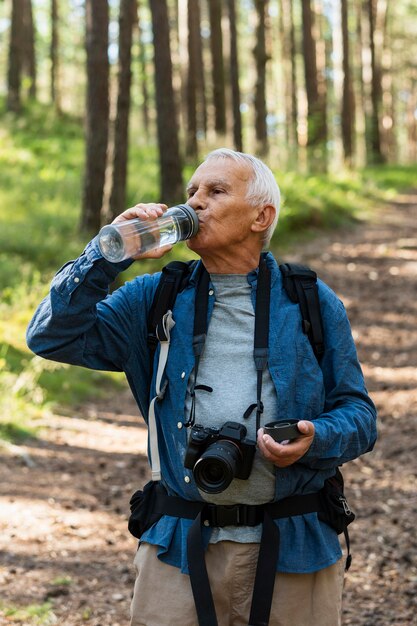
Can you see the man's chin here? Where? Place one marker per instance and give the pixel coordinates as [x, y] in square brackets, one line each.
[192, 244]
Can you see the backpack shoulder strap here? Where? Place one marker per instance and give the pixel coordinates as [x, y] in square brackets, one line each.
[173, 279]
[300, 283]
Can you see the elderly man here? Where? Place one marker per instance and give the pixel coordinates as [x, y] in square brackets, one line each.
[237, 200]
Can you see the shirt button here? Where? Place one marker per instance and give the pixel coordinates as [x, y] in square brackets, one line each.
[211, 292]
[187, 479]
[206, 522]
[183, 375]
[180, 425]
[76, 279]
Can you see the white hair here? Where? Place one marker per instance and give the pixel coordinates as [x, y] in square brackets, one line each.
[262, 187]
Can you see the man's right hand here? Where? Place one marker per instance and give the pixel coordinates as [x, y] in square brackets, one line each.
[150, 211]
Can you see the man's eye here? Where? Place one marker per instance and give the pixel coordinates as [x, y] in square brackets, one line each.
[216, 191]
[190, 193]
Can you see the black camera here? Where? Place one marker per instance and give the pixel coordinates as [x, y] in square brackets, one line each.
[217, 456]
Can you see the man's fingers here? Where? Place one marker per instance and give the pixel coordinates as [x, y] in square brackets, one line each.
[142, 211]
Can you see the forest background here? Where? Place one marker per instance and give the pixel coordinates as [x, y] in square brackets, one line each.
[107, 103]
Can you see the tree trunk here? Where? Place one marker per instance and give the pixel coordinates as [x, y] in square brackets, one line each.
[55, 92]
[97, 114]
[216, 45]
[234, 78]
[127, 15]
[14, 75]
[169, 154]
[361, 116]
[347, 98]
[261, 59]
[376, 89]
[193, 14]
[201, 82]
[143, 79]
[288, 58]
[316, 115]
[29, 56]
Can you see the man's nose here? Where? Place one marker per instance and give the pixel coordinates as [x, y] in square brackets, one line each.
[197, 201]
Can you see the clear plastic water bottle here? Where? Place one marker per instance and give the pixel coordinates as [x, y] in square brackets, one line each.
[134, 237]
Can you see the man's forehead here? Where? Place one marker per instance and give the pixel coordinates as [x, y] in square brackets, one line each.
[224, 171]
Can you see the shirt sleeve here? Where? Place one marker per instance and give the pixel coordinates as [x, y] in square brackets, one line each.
[346, 428]
[81, 324]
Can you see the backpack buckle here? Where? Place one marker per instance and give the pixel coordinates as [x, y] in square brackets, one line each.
[232, 515]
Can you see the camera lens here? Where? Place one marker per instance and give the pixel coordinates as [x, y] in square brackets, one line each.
[217, 466]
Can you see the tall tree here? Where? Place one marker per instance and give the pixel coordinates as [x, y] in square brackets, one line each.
[201, 81]
[289, 52]
[216, 46]
[55, 92]
[171, 184]
[196, 94]
[14, 75]
[316, 114]
[361, 117]
[97, 114]
[29, 56]
[127, 15]
[143, 77]
[261, 59]
[347, 98]
[234, 77]
[195, 70]
[376, 88]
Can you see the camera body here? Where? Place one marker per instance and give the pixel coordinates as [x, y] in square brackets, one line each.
[216, 456]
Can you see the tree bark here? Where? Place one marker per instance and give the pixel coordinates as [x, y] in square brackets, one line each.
[97, 115]
[347, 98]
[216, 45]
[171, 185]
[127, 15]
[29, 55]
[14, 75]
[143, 78]
[316, 115]
[193, 15]
[54, 54]
[376, 89]
[289, 61]
[234, 78]
[261, 59]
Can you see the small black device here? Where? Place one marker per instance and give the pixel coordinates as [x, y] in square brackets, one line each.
[217, 456]
[282, 431]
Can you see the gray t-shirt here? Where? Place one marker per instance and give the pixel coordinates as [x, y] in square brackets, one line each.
[227, 366]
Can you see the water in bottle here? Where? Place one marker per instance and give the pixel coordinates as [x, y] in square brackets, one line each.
[135, 237]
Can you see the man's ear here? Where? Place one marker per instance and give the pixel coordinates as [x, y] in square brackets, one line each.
[264, 218]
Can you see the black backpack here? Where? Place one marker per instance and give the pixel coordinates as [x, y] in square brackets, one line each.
[300, 284]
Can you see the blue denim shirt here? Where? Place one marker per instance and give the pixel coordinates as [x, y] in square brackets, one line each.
[79, 323]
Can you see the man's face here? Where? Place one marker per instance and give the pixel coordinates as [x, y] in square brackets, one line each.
[217, 191]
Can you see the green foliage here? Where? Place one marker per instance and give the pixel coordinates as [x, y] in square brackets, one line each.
[32, 615]
[316, 203]
[41, 156]
[61, 581]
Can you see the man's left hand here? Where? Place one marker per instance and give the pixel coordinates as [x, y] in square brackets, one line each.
[283, 455]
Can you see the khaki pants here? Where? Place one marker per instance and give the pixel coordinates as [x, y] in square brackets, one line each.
[163, 597]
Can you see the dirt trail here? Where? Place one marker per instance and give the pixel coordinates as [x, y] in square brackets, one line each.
[64, 498]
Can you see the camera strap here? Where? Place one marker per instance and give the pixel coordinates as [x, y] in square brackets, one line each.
[269, 546]
[199, 332]
[260, 349]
